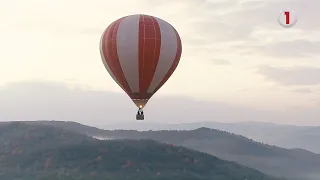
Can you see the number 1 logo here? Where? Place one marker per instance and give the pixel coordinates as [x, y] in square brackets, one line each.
[287, 18]
[287, 14]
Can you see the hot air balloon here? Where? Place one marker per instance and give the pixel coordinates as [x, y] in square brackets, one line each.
[140, 52]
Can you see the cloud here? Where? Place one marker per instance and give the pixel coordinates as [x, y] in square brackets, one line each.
[293, 48]
[291, 76]
[250, 28]
[265, 13]
[55, 101]
[255, 24]
[303, 90]
[242, 89]
[220, 62]
[213, 31]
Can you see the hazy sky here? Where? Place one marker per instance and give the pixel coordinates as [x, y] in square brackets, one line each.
[237, 62]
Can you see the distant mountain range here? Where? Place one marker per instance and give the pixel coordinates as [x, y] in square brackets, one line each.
[287, 136]
[272, 160]
[33, 151]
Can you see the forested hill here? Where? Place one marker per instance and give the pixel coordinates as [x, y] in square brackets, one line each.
[40, 152]
[272, 160]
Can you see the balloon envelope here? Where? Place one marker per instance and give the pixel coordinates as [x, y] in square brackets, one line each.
[140, 52]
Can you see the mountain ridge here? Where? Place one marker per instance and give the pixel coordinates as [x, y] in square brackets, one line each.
[37, 151]
[270, 159]
[282, 135]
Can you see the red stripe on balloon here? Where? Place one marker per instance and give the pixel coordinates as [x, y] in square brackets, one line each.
[149, 52]
[109, 49]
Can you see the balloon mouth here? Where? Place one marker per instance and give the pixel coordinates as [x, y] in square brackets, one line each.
[140, 103]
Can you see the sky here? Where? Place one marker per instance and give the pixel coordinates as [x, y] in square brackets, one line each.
[237, 63]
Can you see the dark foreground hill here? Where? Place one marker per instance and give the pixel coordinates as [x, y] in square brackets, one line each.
[38, 152]
[291, 163]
